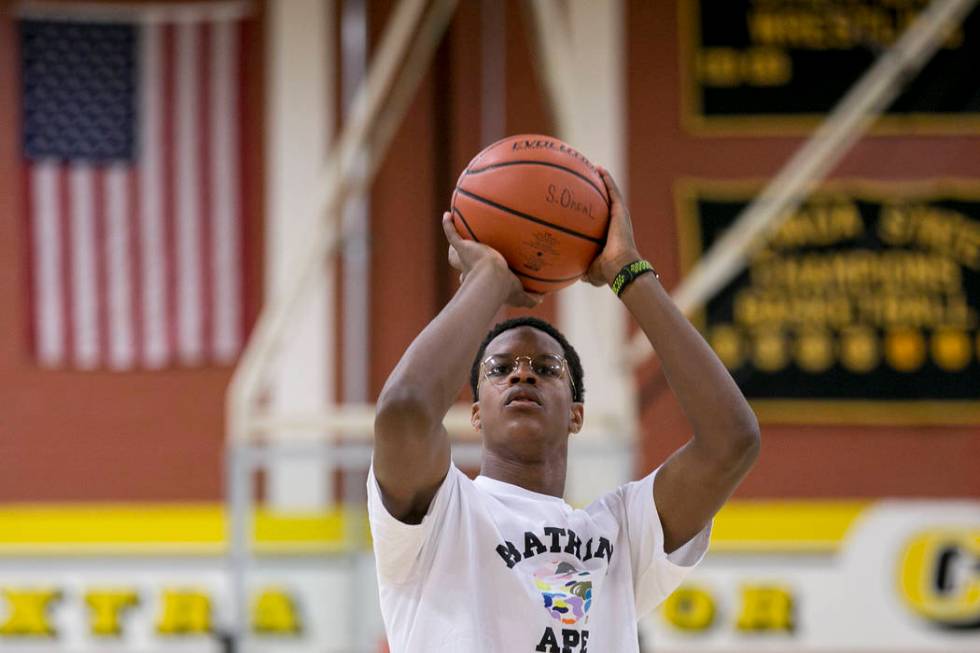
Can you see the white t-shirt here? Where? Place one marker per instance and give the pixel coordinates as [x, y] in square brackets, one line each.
[495, 568]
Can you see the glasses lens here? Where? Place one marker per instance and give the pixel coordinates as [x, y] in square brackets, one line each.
[547, 365]
[500, 366]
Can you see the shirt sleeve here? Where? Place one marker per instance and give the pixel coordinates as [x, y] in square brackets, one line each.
[655, 573]
[403, 551]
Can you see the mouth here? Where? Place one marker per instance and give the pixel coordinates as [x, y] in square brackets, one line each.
[523, 398]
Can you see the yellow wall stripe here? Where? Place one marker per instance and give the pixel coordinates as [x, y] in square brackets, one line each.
[791, 526]
[200, 529]
[163, 528]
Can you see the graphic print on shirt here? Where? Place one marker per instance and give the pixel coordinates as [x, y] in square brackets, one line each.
[567, 591]
[566, 576]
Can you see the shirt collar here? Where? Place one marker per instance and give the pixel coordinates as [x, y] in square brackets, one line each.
[493, 486]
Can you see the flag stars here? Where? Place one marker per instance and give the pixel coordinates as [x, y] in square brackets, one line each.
[79, 90]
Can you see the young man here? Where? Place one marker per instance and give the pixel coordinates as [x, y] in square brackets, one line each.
[502, 564]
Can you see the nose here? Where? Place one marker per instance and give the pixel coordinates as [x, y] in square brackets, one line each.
[529, 376]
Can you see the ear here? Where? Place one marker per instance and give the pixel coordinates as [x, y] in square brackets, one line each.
[475, 415]
[576, 417]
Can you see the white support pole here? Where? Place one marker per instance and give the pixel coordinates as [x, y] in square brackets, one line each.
[553, 46]
[581, 44]
[301, 65]
[356, 312]
[814, 160]
[356, 256]
[238, 499]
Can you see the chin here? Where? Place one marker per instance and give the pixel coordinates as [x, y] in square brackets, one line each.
[526, 440]
[524, 427]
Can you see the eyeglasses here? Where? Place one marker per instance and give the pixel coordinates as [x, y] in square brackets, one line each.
[499, 367]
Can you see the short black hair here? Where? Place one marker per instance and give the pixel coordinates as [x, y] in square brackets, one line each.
[571, 356]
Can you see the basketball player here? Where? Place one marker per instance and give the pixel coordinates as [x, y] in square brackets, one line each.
[502, 564]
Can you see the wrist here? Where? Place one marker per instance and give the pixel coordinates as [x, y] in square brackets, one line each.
[495, 273]
[630, 273]
[612, 267]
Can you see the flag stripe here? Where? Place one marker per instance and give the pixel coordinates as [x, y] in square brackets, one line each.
[32, 297]
[153, 245]
[187, 222]
[100, 253]
[63, 212]
[136, 265]
[229, 272]
[83, 269]
[205, 258]
[119, 289]
[169, 187]
[47, 262]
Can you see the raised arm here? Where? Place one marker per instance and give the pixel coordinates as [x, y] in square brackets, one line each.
[700, 476]
[411, 447]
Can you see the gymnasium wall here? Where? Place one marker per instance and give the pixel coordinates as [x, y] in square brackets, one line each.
[813, 524]
[102, 443]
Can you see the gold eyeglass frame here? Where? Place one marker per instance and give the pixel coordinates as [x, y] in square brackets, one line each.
[565, 371]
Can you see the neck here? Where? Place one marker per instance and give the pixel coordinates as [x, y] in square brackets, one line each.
[541, 476]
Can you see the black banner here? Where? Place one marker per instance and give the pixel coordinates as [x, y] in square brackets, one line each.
[867, 293]
[785, 63]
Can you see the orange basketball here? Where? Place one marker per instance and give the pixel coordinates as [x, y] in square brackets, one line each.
[538, 202]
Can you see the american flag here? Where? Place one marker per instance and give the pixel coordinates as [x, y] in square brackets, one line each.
[132, 184]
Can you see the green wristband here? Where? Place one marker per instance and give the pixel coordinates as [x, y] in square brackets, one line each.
[629, 273]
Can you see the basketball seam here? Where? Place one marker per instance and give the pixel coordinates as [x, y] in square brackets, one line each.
[466, 224]
[531, 218]
[515, 271]
[505, 164]
[512, 269]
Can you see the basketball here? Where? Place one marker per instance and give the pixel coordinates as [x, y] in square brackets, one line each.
[540, 203]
